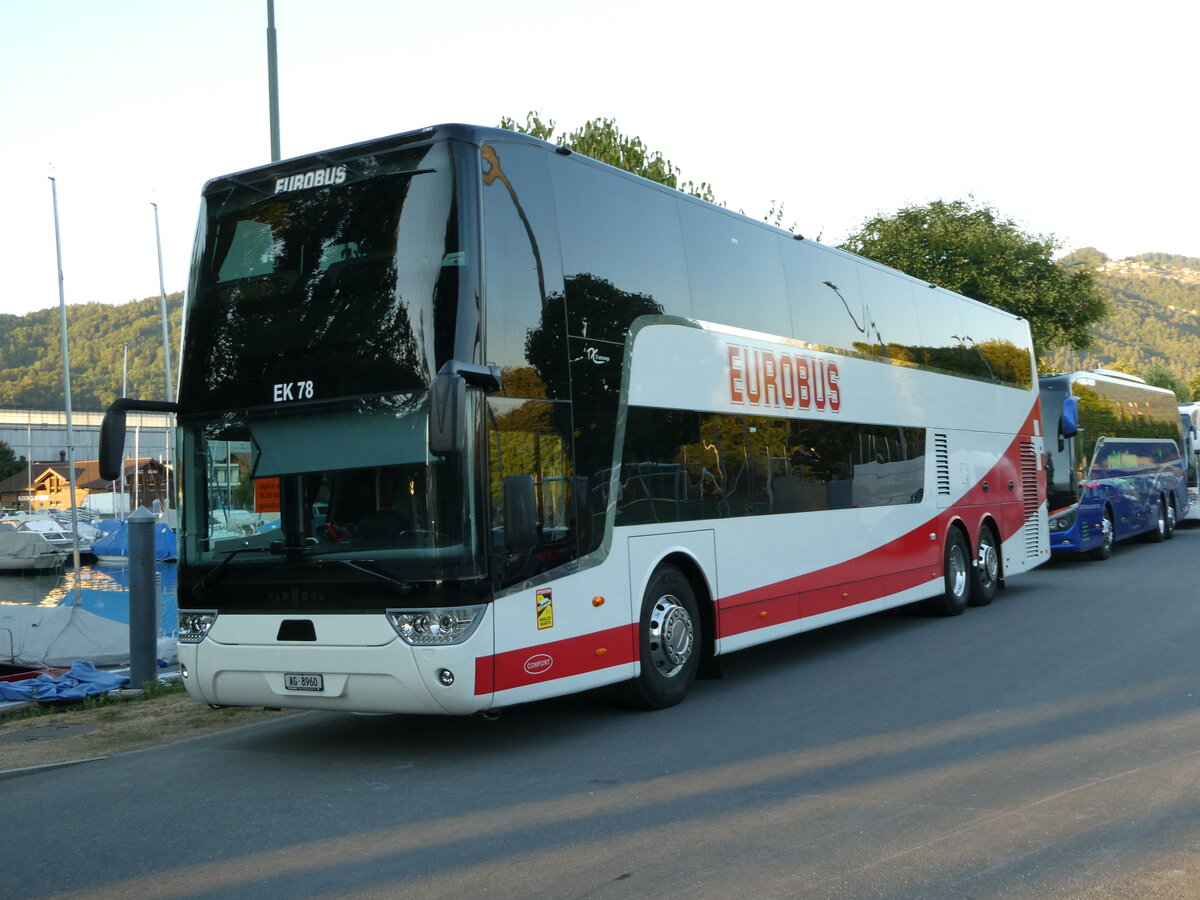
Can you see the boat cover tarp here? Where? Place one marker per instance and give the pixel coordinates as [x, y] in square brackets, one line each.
[22, 545]
[117, 542]
[81, 681]
[60, 635]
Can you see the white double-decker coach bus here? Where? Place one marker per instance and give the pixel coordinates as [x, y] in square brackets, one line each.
[468, 420]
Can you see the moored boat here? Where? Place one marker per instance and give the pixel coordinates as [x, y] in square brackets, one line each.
[113, 547]
[16, 672]
[27, 551]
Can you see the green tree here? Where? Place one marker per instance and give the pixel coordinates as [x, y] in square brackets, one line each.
[977, 252]
[10, 463]
[1160, 376]
[601, 139]
[97, 335]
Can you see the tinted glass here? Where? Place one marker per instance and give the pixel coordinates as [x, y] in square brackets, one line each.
[996, 347]
[1118, 459]
[891, 315]
[526, 321]
[735, 271]
[527, 437]
[682, 465]
[333, 289]
[327, 484]
[621, 239]
[828, 309]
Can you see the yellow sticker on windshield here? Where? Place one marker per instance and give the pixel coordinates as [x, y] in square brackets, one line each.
[545, 609]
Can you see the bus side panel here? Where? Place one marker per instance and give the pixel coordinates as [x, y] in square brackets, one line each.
[569, 634]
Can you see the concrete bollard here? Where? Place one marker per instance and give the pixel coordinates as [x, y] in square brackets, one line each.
[143, 600]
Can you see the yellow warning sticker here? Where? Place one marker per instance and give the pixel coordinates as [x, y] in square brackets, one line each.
[545, 608]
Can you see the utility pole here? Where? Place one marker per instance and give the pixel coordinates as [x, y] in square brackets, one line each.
[272, 80]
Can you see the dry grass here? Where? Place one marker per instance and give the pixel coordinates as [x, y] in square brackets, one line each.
[112, 725]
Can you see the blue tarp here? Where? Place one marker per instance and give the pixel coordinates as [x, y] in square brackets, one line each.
[117, 543]
[81, 681]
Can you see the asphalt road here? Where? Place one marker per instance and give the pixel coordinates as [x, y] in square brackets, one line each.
[1045, 746]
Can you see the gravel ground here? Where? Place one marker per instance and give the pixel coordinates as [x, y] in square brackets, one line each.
[119, 723]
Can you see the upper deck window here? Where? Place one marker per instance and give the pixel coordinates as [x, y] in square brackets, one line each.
[335, 287]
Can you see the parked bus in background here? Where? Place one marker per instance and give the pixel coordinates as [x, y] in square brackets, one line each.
[469, 420]
[1114, 464]
[1189, 418]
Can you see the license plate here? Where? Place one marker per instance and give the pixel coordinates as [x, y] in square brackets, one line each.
[295, 681]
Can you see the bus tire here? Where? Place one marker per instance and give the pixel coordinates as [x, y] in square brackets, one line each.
[1172, 519]
[1108, 532]
[669, 642]
[985, 568]
[1158, 533]
[956, 576]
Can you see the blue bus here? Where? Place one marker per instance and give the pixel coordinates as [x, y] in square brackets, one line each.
[1114, 468]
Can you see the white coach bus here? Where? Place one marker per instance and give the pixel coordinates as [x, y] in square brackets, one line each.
[468, 420]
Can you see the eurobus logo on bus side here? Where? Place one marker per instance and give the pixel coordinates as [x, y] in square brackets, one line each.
[787, 380]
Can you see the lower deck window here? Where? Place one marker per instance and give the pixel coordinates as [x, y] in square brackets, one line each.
[681, 465]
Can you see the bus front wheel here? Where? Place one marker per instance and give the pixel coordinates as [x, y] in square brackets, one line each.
[1107, 537]
[956, 566]
[669, 642]
[1158, 533]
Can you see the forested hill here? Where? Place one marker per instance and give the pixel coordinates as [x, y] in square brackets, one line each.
[31, 371]
[1154, 320]
[1154, 316]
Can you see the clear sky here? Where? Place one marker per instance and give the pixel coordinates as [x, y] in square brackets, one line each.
[1076, 119]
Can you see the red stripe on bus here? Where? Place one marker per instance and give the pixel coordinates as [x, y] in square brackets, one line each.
[557, 659]
[769, 609]
[908, 561]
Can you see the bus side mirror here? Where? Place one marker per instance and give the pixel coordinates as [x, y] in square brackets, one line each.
[112, 432]
[520, 513]
[1068, 426]
[447, 414]
[112, 442]
[448, 403]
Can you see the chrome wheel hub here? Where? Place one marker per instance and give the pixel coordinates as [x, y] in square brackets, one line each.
[958, 571]
[672, 636]
[989, 562]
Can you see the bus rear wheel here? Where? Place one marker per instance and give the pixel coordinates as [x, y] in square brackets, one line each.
[985, 571]
[669, 642]
[956, 567]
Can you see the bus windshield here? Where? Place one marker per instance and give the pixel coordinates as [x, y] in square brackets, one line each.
[354, 482]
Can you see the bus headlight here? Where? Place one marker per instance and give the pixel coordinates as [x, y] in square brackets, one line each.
[435, 627]
[194, 626]
[1062, 521]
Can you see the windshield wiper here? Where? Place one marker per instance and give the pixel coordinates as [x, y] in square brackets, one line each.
[404, 587]
[199, 588]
